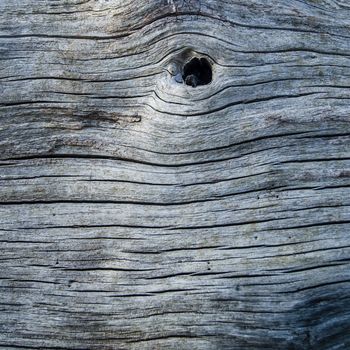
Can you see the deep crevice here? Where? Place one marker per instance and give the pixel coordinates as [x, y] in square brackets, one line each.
[197, 72]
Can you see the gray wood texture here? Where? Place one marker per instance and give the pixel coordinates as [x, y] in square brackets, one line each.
[137, 212]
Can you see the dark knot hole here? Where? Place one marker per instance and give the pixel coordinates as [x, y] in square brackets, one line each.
[197, 72]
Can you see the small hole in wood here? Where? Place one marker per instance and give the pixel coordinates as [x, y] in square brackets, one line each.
[197, 72]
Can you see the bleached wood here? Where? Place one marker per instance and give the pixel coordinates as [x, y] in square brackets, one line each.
[140, 213]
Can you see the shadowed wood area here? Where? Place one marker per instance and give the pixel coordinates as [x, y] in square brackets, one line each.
[175, 174]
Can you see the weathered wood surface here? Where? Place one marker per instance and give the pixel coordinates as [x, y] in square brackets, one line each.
[141, 213]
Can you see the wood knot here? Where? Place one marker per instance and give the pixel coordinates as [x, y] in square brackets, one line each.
[197, 72]
[190, 69]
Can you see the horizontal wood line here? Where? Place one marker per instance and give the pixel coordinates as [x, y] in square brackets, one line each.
[299, 49]
[273, 81]
[330, 159]
[315, 286]
[34, 281]
[316, 267]
[315, 207]
[177, 16]
[171, 250]
[134, 295]
[55, 36]
[220, 247]
[172, 312]
[328, 85]
[21, 258]
[173, 228]
[99, 269]
[59, 13]
[19, 103]
[118, 97]
[83, 80]
[185, 228]
[333, 98]
[217, 148]
[252, 84]
[73, 201]
[98, 157]
[15, 241]
[335, 222]
[179, 290]
[45, 227]
[37, 347]
[223, 275]
[82, 178]
[302, 252]
[58, 176]
[13, 58]
[229, 224]
[324, 136]
[232, 104]
[44, 78]
[116, 202]
[198, 14]
[316, 188]
[178, 336]
[174, 275]
[144, 203]
[263, 221]
[272, 245]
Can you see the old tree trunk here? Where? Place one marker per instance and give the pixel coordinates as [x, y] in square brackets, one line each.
[175, 174]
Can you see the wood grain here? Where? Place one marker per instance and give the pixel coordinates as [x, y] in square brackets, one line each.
[137, 212]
